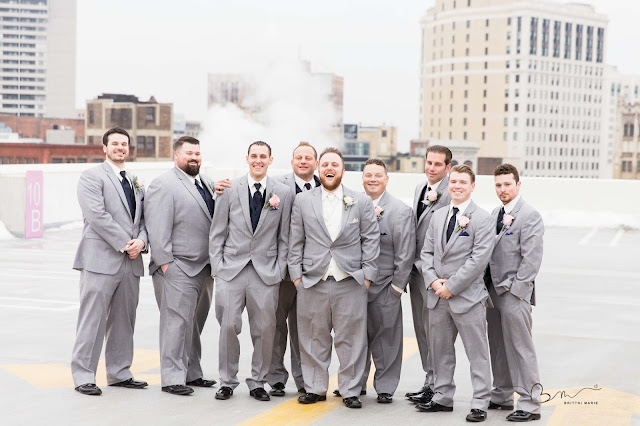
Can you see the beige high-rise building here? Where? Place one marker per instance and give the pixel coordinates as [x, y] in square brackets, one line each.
[522, 78]
[626, 158]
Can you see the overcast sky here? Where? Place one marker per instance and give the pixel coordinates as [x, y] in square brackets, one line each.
[166, 49]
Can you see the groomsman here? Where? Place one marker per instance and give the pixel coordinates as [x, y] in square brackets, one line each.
[510, 279]
[110, 266]
[456, 251]
[430, 196]
[334, 244]
[248, 249]
[304, 164]
[180, 205]
[397, 253]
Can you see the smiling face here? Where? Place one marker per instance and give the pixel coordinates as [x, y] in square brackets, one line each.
[506, 187]
[117, 148]
[331, 170]
[304, 162]
[374, 180]
[435, 167]
[187, 158]
[460, 187]
[259, 161]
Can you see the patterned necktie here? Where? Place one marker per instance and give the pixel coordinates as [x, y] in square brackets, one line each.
[128, 192]
[452, 223]
[258, 202]
[499, 222]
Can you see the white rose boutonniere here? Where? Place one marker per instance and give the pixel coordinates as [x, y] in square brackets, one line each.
[348, 201]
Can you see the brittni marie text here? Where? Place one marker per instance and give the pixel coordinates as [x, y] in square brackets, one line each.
[566, 397]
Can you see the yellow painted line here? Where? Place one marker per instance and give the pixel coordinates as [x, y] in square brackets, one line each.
[49, 376]
[592, 408]
[291, 412]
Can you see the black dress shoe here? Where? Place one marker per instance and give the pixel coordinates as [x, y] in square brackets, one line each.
[224, 392]
[311, 398]
[260, 394]
[494, 406]
[202, 383]
[422, 398]
[432, 407]
[131, 384]
[424, 389]
[177, 389]
[352, 402]
[522, 416]
[476, 416]
[337, 392]
[384, 398]
[89, 389]
[277, 389]
[302, 390]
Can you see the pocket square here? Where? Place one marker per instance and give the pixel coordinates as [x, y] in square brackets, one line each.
[355, 220]
[383, 233]
[464, 234]
[509, 233]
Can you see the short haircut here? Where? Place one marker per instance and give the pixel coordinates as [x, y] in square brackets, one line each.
[185, 139]
[440, 149]
[303, 143]
[463, 168]
[332, 150]
[259, 143]
[505, 169]
[114, 130]
[377, 162]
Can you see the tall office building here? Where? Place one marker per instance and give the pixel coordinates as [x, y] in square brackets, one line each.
[38, 57]
[523, 78]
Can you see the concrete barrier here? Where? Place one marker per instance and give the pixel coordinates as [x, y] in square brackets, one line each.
[563, 202]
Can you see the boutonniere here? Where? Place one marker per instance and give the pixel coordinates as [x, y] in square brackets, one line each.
[433, 197]
[379, 212]
[138, 184]
[507, 220]
[212, 188]
[348, 201]
[272, 202]
[463, 221]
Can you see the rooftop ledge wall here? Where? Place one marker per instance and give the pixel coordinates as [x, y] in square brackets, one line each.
[562, 202]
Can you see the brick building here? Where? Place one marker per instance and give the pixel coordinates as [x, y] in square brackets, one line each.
[150, 124]
[36, 127]
[42, 153]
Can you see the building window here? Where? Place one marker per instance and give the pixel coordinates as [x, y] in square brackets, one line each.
[567, 40]
[533, 37]
[91, 117]
[578, 42]
[151, 114]
[557, 25]
[600, 48]
[545, 37]
[589, 52]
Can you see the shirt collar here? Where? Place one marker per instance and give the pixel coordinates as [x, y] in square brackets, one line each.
[338, 193]
[461, 207]
[377, 200]
[191, 178]
[116, 170]
[435, 186]
[300, 182]
[262, 182]
[508, 208]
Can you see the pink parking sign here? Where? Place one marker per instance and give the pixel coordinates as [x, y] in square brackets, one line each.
[33, 209]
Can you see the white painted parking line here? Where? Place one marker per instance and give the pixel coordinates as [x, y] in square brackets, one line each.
[38, 304]
[588, 237]
[37, 277]
[616, 238]
[40, 308]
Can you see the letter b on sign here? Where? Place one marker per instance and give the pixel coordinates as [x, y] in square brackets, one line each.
[34, 205]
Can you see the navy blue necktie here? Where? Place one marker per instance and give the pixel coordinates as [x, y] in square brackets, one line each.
[128, 192]
[206, 197]
[307, 186]
[452, 223]
[256, 207]
[422, 206]
[499, 222]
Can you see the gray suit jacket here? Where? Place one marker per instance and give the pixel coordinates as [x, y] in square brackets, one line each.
[461, 261]
[517, 255]
[178, 222]
[290, 181]
[108, 226]
[232, 243]
[355, 249]
[397, 244]
[422, 223]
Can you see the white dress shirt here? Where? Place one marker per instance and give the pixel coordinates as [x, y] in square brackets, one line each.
[508, 208]
[461, 210]
[332, 206]
[117, 171]
[300, 182]
[252, 187]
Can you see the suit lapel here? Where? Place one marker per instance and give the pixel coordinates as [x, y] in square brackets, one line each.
[270, 185]
[417, 200]
[116, 182]
[316, 204]
[346, 213]
[456, 231]
[138, 196]
[242, 191]
[206, 185]
[191, 188]
[444, 186]
[513, 213]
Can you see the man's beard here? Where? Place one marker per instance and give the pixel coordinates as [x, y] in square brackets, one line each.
[191, 169]
[336, 183]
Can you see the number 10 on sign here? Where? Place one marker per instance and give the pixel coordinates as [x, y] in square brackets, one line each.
[33, 209]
